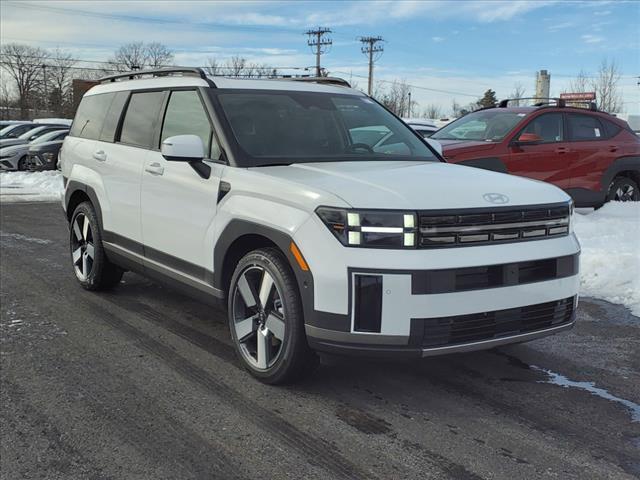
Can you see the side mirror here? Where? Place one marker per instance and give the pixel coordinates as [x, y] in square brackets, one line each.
[436, 145]
[528, 138]
[183, 148]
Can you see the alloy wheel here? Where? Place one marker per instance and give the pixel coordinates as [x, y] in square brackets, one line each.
[258, 317]
[82, 246]
[624, 193]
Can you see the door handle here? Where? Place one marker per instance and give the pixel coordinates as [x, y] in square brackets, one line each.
[613, 148]
[154, 168]
[562, 150]
[100, 155]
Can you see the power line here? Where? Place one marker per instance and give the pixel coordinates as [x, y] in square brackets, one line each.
[370, 48]
[416, 86]
[321, 44]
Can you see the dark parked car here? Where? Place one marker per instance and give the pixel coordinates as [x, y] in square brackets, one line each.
[44, 155]
[593, 156]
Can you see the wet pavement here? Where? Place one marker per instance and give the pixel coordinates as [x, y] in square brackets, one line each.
[142, 382]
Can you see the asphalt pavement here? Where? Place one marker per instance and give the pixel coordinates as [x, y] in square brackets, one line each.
[143, 383]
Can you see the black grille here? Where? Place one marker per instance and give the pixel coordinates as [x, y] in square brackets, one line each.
[492, 276]
[454, 228]
[460, 329]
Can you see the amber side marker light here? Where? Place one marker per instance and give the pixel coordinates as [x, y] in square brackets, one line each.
[299, 258]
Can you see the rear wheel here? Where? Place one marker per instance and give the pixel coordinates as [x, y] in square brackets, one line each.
[265, 318]
[623, 189]
[93, 269]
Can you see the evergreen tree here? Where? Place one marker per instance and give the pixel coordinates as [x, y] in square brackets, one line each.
[488, 100]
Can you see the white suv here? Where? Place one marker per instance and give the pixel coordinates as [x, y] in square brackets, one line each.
[255, 192]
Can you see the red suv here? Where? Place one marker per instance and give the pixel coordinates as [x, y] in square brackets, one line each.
[592, 155]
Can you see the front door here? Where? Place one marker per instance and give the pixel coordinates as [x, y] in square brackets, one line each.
[178, 204]
[548, 159]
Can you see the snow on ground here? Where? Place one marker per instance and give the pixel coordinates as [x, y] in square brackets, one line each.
[30, 186]
[610, 260]
[610, 237]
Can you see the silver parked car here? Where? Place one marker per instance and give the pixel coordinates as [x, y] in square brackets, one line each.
[14, 157]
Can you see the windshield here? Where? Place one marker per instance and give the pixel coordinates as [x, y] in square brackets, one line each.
[486, 125]
[47, 137]
[274, 127]
[34, 133]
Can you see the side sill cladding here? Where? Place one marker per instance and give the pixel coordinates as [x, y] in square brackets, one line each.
[74, 186]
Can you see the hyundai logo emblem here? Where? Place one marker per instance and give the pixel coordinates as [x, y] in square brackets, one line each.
[497, 198]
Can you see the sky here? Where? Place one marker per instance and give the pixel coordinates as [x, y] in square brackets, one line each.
[447, 50]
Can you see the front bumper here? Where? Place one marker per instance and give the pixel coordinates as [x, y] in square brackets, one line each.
[10, 163]
[432, 302]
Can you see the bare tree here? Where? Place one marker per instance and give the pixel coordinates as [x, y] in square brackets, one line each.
[605, 84]
[236, 66]
[131, 56]
[433, 111]
[24, 64]
[456, 109]
[518, 92]
[59, 75]
[580, 83]
[396, 98]
[213, 67]
[158, 55]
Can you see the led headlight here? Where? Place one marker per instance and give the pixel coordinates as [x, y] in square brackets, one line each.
[371, 228]
[49, 156]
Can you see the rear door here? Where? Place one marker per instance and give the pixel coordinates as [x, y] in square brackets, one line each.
[594, 152]
[122, 162]
[178, 204]
[548, 159]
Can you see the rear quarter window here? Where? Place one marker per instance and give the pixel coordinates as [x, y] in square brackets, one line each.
[90, 116]
[585, 127]
[112, 117]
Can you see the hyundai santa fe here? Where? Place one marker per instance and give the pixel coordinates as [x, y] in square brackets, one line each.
[265, 194]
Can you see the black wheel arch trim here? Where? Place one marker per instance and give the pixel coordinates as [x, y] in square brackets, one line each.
[493, 164]
[236, 229]
[621, 164]
[72, 186]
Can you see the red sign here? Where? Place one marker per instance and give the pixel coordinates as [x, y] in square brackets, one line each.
[578, 96]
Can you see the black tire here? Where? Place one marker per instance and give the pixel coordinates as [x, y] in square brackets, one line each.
[22, 164]
[623, 189]
[96, 273]
[294, 359]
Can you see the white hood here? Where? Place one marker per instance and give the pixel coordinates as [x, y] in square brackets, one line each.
[415, 185]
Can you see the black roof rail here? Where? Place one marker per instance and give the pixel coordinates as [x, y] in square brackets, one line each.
[158, 72]
[560, 102]
[327, 80]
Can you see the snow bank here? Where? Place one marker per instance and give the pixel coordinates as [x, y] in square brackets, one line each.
[610, 260]
[30, 186]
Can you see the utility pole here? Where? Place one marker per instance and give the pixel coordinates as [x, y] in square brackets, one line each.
[374, 51]
[409, 107]
[44, 81]
[321, 44]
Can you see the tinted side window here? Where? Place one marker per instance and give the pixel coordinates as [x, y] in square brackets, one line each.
[16, 132]
[585, 127]
[141, 119]
[90, 116]
[113, 117]
[186, 116]
[611, 128]
[549, 127]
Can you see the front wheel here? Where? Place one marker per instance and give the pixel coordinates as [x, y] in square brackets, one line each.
[265, 318]
[22, 164]
[623, 189]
